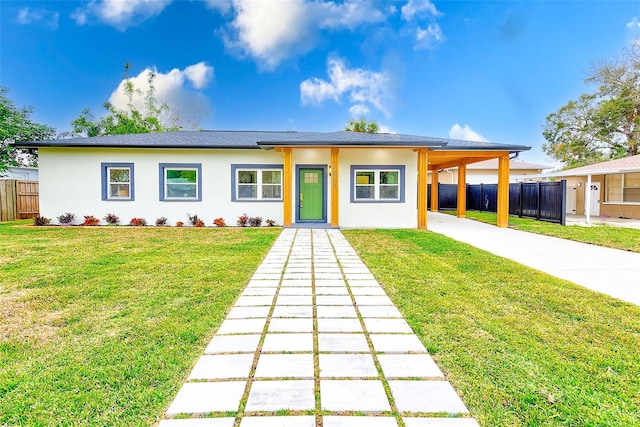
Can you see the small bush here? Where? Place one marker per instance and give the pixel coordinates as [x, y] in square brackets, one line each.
[111, 219]
[138, 222]
[66, 218]
[90, 220]
[270, 222]
[161, 222]
[255, 221]
[40, 221]
[195, 221]
[242, 220]
[219, 222]
[179, 224]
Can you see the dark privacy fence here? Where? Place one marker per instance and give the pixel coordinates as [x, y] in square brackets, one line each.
[540, 200]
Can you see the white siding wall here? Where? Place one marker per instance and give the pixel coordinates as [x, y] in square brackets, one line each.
[379, 215]
[70, 181]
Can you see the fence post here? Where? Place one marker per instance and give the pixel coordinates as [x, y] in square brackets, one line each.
[521, 196]
[563, 203]
[539, 200]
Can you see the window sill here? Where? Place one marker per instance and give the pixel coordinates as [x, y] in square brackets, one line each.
[377, 201]
[257, 200]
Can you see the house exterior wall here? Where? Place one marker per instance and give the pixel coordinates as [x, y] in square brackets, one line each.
[71, 181]
[23, 174]
[379, 214]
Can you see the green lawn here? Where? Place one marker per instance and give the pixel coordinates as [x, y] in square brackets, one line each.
[627, 239]
[100, 325]
[521, 347]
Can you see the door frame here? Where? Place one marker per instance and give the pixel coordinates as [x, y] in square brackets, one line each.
[324, 169]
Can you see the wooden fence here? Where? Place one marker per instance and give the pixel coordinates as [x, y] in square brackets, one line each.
[18, 199]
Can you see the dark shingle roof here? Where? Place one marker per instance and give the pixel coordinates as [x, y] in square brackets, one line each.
[269, 139]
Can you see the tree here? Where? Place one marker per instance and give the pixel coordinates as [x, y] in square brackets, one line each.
[16, 126]
[361, 125]
[128, 121]
[601, 125]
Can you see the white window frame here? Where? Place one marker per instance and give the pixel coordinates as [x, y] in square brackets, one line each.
[377, 170]
[258, 169]
[107, 194]
[164, 184]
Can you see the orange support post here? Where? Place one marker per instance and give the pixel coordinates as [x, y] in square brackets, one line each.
[503, 191]
[335, 183]
[462, 191]
[287, 188]
[434, 190]
[423, 164]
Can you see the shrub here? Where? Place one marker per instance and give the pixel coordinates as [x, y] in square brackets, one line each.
[255, 221]
[66, 218]
[195, 221]
[242, 220]
[161, 222]
[270, 222]
[111, 219]
[138, 222]
[90, 220]
[219, 222]
[179, 224]
[40, 221]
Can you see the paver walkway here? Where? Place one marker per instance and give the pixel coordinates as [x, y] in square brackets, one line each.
[314, 341]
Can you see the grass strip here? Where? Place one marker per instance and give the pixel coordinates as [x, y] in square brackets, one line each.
[627, 239]
[101, 325]
[521, 347]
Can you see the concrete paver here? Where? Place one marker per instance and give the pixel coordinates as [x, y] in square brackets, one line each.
[314, 333]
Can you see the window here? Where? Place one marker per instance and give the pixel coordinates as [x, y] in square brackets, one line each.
[117, 181]
[623, 188]
[256, 183]
[180, 182]
[377, 184]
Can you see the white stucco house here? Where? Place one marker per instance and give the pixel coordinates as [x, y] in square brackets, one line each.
[341, 179]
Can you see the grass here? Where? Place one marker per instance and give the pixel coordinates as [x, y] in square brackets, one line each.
[101, 325]
[521, 347]
[627, 239]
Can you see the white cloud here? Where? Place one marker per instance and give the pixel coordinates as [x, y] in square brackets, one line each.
[272, 31]
[28, 15]
[120, 14]
[465, 133]
[428, 35]
[385, 129]
[199, 74]
[418, 8]
[358, 110]
[223, 6]
[171, 88]
[364, 88]
[633, 24]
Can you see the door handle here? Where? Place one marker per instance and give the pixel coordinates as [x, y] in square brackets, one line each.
[301, 197]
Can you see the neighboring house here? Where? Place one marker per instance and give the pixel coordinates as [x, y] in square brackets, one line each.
[614, 188]
[345, 179]
[486, 172]
[21, 173]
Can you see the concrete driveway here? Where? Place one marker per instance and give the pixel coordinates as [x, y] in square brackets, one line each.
[610, 271]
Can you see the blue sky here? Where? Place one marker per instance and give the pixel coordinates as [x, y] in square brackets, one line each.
[462, 69]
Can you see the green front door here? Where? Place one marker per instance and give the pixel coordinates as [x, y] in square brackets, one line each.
[310, 206]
